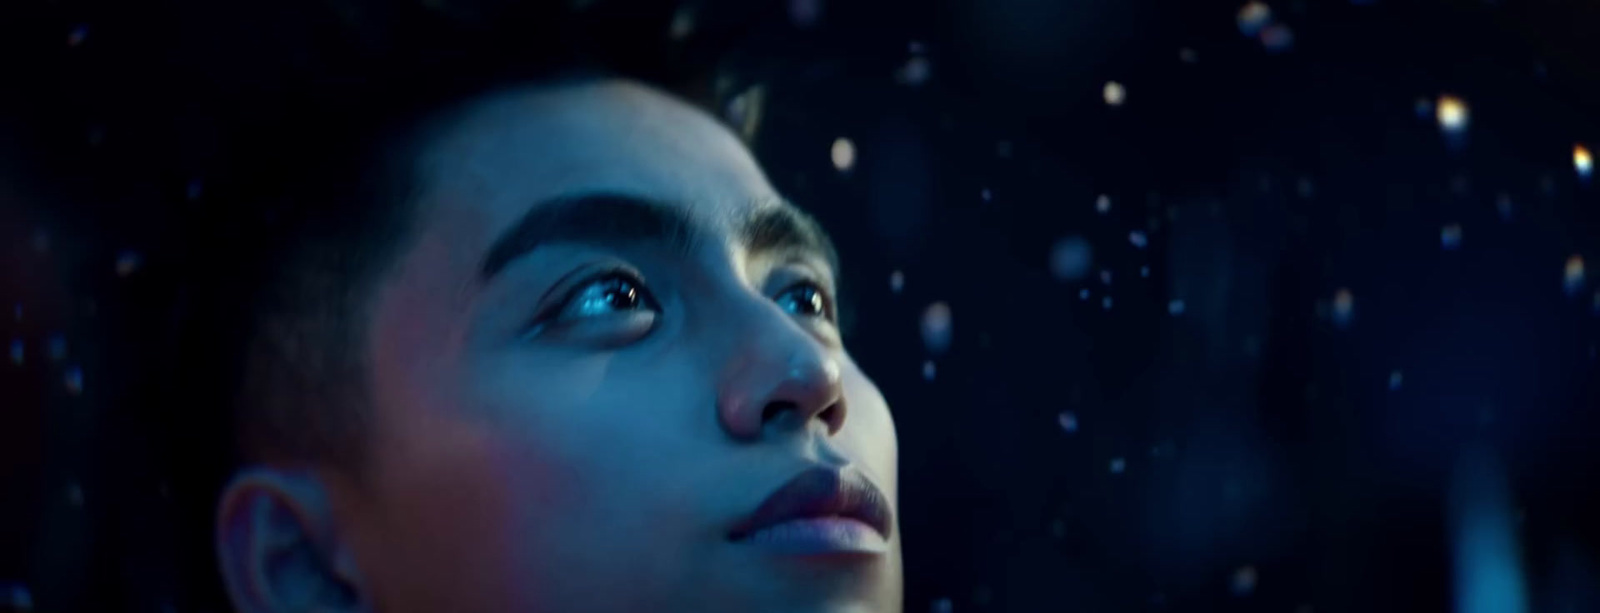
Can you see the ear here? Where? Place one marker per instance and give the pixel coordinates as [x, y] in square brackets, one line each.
[279, 548]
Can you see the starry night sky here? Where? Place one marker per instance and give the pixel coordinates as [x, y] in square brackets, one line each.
[1264, 335]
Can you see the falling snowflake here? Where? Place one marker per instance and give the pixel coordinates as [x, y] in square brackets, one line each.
[1344, 305]
[72, 378]
[1114, 93]
[936, 332]
[16, 351]
[1102, 204]
[682, 24]
[1144, 272]
[986, 195]
[1244, 580]
[1138, 239]
[1068, 421]
[1450, 236]
[1105, 303]
[843, 154]
[1582, 161]
[1105, 277]
[805, 13]
[1502, 204]
[916, 71]
[1253, 17]
[77, 36]
[897, 281]
[942, 605]
[1188, 56]
[1395, 379]
[1277, 37]
[1118, 465]
[1083, 294]
[1573, 276]
[1071, 258]
[55, 347]
[928, 370]
[1175, 307]
[128, 263]
[1452, 114]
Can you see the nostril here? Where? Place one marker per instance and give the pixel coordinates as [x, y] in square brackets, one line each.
[774, 409]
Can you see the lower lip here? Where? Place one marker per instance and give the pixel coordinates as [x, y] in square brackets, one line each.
[819, 536]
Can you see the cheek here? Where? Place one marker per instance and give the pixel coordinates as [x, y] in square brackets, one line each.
[869, 431]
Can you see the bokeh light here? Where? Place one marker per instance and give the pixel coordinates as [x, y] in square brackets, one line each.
[1114, 93]
[1243, 582]
[843, 154]
[1450, 236]
[1253, 17]
[1452, 114]
[1344, 307]
[1071, 258]
[1102, 204]
[897, 281]
[1582, 161]
[1277, 37]
[936, 327]
[1068, 421]
[1573, 275]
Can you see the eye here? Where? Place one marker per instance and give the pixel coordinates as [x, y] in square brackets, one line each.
[804, 299]
[608, 294]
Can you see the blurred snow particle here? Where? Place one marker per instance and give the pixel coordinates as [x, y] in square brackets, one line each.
[1105, 303]
[805, 13]
[682, 24]
[75, 494]
[928, 370]
[15, 597]
[1070, 258]
[986, 195]
[1102, 204]
[1277, 38]
[1253, 17]
[41, 241]
[73, 380]
[1118, 465]
[1175, 307]
[1138, 239]
[897, 281]
[914, 72]
[1452, 114]
[16, 351]
[16, 312]
[1144, 272]
[1188, 56]
[77, 35]
[1573, 274]
[1423, 107]
[1305, 188]
[1003, 149]
[942, 605]
[1344, 306]
[1114, 93]
[1502, 204]
[1597, 302]
[194, 189]
[1450, 236]
[1395, 379]
[843, 154]
[1068, 421]
[127, 263]
[936, 320]
[1083, 294]
[1105, 277]
[55, 347]
[1582, 161]
[1244, 580]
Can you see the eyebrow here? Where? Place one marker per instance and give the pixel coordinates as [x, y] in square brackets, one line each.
[607, 219]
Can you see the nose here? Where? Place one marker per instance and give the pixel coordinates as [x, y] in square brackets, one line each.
[779, 376]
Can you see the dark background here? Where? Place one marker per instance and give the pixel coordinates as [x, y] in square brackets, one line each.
[1267, 462]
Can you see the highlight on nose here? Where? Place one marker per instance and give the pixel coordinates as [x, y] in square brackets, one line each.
[757, 396]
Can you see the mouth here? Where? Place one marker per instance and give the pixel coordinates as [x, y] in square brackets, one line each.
[820, 511]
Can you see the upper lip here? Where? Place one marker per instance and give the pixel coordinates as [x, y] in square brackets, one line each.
[821, 492]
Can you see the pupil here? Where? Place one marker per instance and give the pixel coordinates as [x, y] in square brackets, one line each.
[621, 295]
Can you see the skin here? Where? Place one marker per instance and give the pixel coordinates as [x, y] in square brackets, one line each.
[532, 455]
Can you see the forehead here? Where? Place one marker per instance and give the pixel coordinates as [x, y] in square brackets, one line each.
[504, 153]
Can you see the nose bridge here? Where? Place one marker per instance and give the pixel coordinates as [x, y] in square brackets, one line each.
[772, 368]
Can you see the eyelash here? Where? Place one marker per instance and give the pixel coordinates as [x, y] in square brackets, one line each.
[826, 308]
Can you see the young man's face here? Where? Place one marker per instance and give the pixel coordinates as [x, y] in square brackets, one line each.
[610, 343]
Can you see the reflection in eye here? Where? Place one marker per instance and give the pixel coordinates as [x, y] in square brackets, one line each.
[615, 292]
[804, 299]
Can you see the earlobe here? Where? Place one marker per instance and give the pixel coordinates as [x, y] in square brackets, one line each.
[278, 548]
